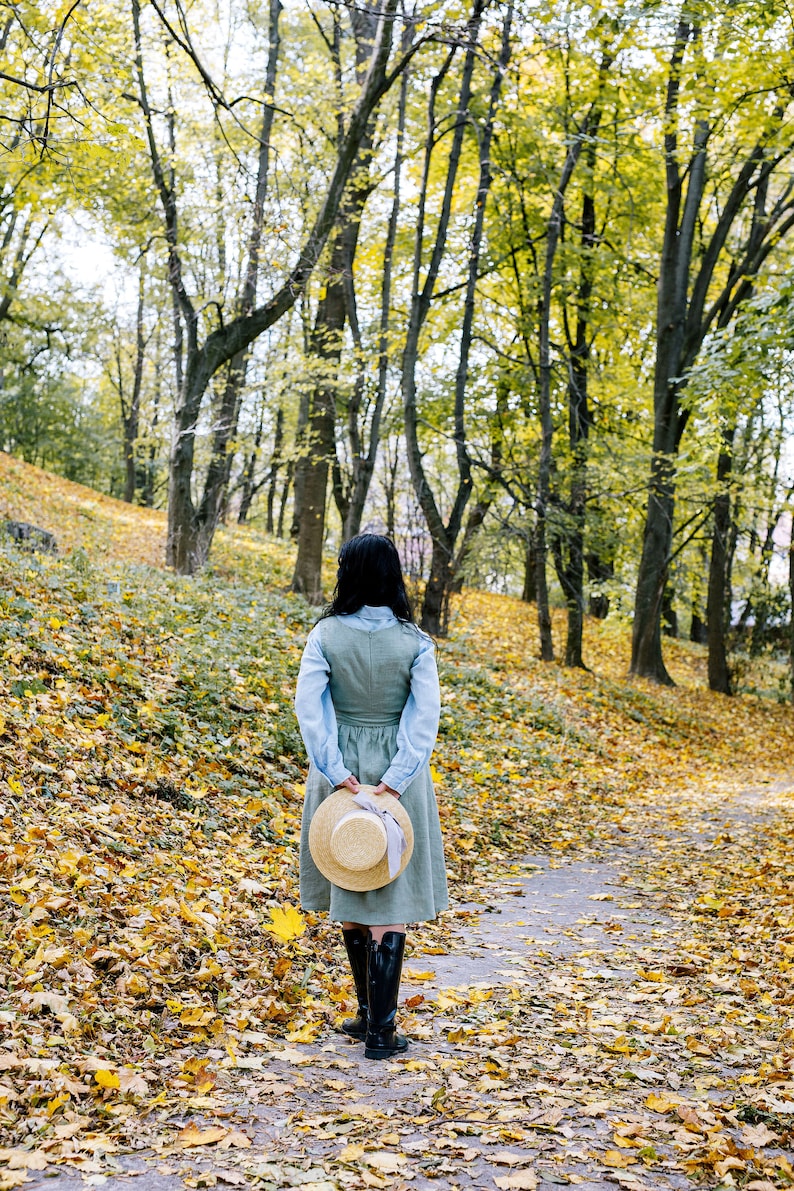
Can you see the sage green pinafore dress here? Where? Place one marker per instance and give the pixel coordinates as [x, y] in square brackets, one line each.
[370, 680]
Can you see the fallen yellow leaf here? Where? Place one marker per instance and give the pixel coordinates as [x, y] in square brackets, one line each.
[660, 1103]
[697, 1047]
[351, 1153]
[107, 1079]
[236, 1138]
[21, 1159]
[287, 923]
[618, 1159]
[12, 1178]
[386, 1162]
[191, 1136]
[307, 1033]
[518, 1180]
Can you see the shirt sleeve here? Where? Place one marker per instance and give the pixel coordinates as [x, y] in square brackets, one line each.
[418, 729]
[316, 715]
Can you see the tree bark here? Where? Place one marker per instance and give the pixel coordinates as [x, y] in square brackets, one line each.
[392, 464]
[326, 348]
[677, 251]
[791, 605]
[333, 310]
[580, 419]
[599, 571]
[131, 413]
[147, 492]
[652, 576]
[717, 605]
[530, 592]
[249, 486]
[444, 535]
[477, 515]
[577, 388]
[187, 546]
[216, 483]
[669, 614]
[363, 465]
[698, 631]
[275, 466]
[684, 317]
[300, 456]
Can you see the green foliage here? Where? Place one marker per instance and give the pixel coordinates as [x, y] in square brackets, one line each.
[48, 415]
[69, 350]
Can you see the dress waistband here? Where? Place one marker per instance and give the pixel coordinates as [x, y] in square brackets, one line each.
[349, 721]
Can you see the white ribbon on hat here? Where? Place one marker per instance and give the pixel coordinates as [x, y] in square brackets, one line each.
[396, 843]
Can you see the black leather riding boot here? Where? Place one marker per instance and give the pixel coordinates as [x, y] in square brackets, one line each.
[383, 982]
[356, 945]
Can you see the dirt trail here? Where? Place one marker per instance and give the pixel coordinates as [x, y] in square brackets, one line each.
[564, 1039]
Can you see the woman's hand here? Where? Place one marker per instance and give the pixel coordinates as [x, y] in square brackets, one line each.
[350, 783]
[382, 788]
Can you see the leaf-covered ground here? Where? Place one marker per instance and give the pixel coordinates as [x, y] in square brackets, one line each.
[159, 980]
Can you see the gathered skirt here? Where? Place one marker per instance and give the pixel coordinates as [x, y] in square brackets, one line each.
[420, 891]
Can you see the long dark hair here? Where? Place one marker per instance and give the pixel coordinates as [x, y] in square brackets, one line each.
[369, 573]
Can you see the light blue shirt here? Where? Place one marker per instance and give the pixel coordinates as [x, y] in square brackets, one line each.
[416, 734]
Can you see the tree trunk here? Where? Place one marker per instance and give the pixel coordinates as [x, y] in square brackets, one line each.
[275, 466]
[216, 484]
[186, 547]
[249, 473]
[791, 605]
[474, 523]
[718, 670]
[444, 535]
[652, 577]
[579, 418]
[687, 308]
[542, 588]
[209, 513]
[698, 632]
[599, 571]
[132, 416]
[147, 492]
[477, 515]
[530, 593]
[392, 464]
[363, 465]
[669, 614]
[575, 579]
[301, 461]
[326, 348]
[284, 496]
[435, 604]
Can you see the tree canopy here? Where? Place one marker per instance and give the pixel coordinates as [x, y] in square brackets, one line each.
[507, 281]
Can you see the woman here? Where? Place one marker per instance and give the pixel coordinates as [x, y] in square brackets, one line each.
[367, 703]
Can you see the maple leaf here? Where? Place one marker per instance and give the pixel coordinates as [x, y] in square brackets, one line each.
[286, 923]
[306, 1033]
[517, 1180]
[618, 1158]
[192, 1136]
[106, 1078]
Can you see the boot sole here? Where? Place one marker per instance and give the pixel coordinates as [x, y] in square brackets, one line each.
[386, 1052]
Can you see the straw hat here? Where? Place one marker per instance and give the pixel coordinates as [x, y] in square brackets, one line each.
[350, 843]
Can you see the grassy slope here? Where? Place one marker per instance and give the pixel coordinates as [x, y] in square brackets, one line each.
[151, 774]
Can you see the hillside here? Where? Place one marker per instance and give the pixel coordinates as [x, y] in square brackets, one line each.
[151, 789]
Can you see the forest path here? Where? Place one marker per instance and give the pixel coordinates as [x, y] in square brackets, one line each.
[612, 1019]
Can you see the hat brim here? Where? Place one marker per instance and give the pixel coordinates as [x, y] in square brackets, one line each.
[328, 814]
